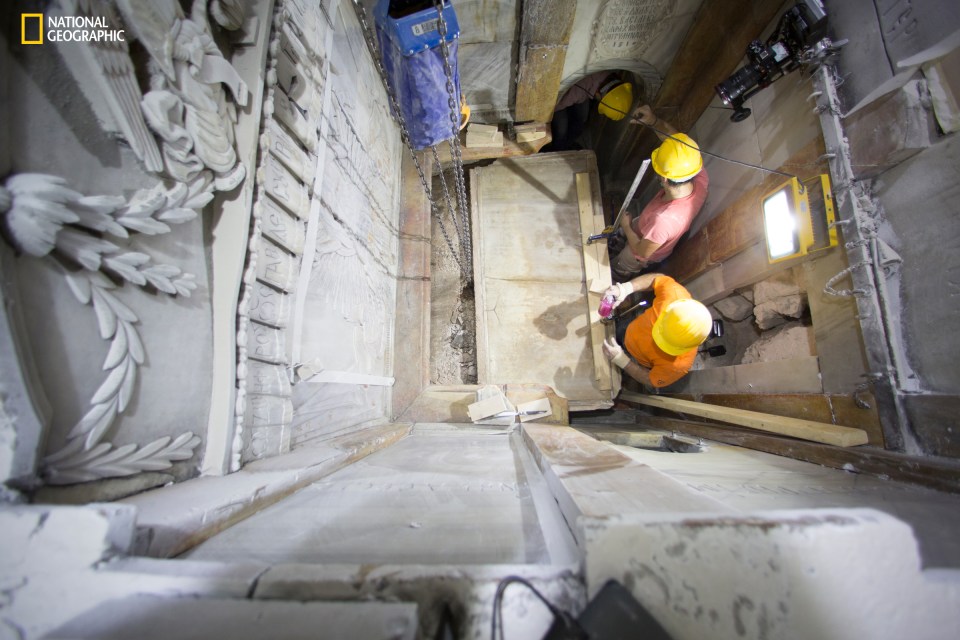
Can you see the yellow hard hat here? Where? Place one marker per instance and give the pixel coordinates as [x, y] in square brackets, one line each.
[678, 158]
[682, 326]
[464, 112]
[616, 98]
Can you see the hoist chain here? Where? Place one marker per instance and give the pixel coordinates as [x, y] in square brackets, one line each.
[465, 236]
[398, 115]
[446, 196]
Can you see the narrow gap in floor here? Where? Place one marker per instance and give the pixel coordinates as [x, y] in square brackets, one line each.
[453, 326]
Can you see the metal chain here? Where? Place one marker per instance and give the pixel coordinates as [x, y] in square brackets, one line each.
[446, 195]
[455, 144]
[398, 116]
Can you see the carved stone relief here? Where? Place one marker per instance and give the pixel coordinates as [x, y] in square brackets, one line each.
[626, 29]
[44, 218]
[182, 131]
[288, 140]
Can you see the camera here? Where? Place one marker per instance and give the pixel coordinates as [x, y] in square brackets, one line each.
[800, 38]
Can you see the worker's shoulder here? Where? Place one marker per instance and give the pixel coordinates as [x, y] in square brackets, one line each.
[666, 287]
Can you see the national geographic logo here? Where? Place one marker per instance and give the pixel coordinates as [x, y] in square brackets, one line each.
[67, 29]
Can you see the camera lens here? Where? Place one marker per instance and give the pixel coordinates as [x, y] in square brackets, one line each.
[739, 83]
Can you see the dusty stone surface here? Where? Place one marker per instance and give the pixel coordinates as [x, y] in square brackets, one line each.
[792, 341]
[782, 284]
[777, 311]
[734, 307]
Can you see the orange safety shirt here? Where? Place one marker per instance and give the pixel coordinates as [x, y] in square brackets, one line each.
[664, 368]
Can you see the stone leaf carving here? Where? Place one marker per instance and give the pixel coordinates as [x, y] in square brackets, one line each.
[44, 218]
[187, 106]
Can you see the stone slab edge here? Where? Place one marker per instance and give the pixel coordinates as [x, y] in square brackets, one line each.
[175, 518]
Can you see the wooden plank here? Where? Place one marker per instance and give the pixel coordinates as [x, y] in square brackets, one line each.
[538, 81]
[592, 274]
[933, 473]
[510, 149]
[794, 427]
[712, 49]
[807, 406]
[545, 29]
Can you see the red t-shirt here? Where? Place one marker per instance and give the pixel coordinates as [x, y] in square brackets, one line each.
[665, 369]
[664, 221]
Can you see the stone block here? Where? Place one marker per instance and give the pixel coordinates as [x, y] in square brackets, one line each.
[793, 341]
[151, 617]
[734, 307]
[777, 311]
[887, 132]
[781, 284]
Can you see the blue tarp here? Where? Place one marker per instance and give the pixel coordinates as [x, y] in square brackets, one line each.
[413, 60]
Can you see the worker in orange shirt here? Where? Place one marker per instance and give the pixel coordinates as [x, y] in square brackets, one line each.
[659, 346]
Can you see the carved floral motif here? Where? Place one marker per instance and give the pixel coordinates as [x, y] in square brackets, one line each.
[44, 218]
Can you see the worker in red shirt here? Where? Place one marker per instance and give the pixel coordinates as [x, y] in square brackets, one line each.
[653, 234]
[659, 346]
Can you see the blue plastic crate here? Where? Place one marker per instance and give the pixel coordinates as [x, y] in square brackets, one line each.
[413, 61]
[418, 31]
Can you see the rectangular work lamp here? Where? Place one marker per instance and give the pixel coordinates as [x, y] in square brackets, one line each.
[798, 218]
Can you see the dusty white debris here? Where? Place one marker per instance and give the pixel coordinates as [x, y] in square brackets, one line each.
[792, 341]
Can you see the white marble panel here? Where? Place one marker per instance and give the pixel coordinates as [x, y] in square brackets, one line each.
[267, 411]
[295, 81]
[275, 266]
[264, 378]
[286, 112]
[281, 227]
[486, 21]
[309, 24]
[281, 145]
[269, 306]
[265, 343]
[486, 75]
[285, 189]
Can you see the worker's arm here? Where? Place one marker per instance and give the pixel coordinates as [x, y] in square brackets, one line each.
[619, 357]
[640, 246]
[621, 290]
[645, 115]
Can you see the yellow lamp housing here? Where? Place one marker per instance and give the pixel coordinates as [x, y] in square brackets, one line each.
[798, 218]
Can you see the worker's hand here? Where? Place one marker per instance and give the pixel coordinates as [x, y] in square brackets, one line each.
[619, 291]
[615, 353]
[644, 115]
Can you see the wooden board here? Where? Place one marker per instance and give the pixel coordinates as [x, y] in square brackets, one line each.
[545, 29]
[935, 473]
[533, 318]
[793, 427]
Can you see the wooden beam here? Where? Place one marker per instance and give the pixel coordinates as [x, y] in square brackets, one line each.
[594, 278]
[794, 427]
[713, 48]
[933, 473]
[711, 51]
[544, 36]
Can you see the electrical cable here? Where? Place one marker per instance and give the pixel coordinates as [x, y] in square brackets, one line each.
[496, 621]
[708, 153]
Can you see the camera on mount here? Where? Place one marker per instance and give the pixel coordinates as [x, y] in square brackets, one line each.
[800, 38]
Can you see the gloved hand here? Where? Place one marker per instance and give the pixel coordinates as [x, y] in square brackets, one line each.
[619, 292]
[615, 353]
